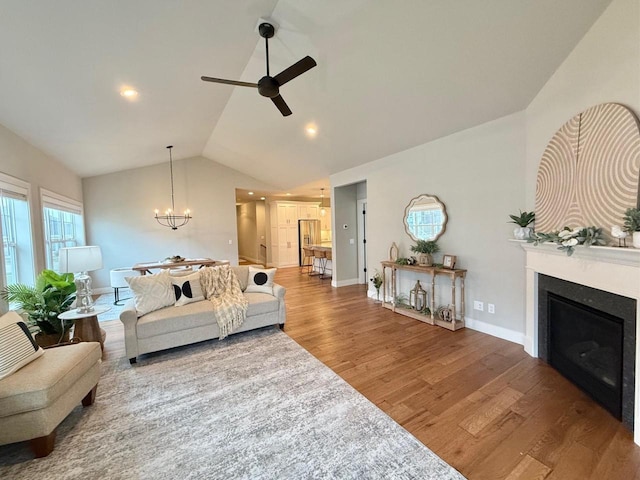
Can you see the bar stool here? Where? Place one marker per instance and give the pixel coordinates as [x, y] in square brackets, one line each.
[328, 256]
[321, 256]
[307, 256]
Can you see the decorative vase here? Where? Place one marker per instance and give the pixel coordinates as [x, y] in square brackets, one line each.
[521, 233]
[49, 339]
[378, 295]
[425, 259]
[636, 239]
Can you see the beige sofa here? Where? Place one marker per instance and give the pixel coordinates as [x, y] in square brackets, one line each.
[175, 326]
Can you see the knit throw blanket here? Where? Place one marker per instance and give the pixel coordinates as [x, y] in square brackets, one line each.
[220, 285]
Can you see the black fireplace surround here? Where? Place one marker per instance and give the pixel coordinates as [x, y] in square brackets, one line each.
[589, 336]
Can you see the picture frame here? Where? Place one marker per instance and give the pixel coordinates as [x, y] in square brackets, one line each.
[449, 261]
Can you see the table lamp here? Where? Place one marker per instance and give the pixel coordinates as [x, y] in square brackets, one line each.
[79, 261]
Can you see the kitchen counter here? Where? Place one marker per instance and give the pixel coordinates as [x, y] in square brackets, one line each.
[317, 263]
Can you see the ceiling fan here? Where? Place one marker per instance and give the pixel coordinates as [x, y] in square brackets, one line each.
[269, 86]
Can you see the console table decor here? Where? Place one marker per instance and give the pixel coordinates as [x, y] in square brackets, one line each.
[457, 316]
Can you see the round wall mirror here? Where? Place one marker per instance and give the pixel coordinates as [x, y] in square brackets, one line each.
[425, 218]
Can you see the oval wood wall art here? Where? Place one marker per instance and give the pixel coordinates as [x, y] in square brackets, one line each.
[590, 171]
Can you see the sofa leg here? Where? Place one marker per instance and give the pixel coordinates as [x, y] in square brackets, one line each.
[132, 360]
[281, 326]
[90, 397]
[43, 446]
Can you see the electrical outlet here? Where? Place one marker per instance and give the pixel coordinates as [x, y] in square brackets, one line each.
[491, 308]
[478, 305]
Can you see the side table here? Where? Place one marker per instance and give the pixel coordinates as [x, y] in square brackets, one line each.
[86, 327]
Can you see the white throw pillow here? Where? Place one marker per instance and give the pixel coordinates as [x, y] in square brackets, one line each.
[152, 292]
[261, 280]
[17, 347]
[187, 289]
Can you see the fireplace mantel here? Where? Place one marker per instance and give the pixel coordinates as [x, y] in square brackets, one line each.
[611, 269]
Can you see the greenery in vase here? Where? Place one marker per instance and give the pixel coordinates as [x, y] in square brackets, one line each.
[568, 238]
[376, 280]
[52, 295]
[524, 219]
[425, 246]
[632, 220]
[402, 261]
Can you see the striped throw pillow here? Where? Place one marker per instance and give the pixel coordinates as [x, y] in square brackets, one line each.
[17, 347]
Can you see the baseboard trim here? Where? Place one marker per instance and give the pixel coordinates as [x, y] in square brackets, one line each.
[495, 331]
[344, 283]
[251, 260]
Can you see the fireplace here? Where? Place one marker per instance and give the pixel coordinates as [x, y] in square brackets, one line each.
[589, 336]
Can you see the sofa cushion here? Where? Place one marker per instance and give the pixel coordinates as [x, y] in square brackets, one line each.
[152, 292]
[261, 280]
[17, 347]
[40, 383]
[260, 303]
[169, 320]
[187, 289]
[242, 274]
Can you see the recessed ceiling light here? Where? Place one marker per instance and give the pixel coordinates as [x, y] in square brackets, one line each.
[288, 194]
[311, 130]
[129, 93]
[250, 193]
[263, 198]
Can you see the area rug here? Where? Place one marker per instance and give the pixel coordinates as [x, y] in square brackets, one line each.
[254, 406]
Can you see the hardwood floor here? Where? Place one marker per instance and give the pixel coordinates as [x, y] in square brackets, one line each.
[480, 403]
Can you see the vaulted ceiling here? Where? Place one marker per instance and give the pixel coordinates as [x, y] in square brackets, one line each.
[391, 75]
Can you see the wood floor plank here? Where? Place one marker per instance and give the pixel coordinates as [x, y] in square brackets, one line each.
[491, 410]
[479, 402]
[529, 469]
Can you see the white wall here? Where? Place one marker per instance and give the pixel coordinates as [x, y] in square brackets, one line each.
[345, 253]
[489, 171]
[251, 230]
[24, 161]
[603, 68]
[479, 175]
[119, 211]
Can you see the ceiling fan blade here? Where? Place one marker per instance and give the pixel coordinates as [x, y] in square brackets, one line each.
[229, 82]
[298, 68]
[282, 105]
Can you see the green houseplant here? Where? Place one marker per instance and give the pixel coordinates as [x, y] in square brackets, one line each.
[51, 295]
[425, 250]
[523, 220]
[632, 224]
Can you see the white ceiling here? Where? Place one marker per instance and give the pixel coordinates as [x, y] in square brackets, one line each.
[390, 75]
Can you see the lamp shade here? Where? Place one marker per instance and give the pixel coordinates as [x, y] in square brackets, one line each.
[80, 259]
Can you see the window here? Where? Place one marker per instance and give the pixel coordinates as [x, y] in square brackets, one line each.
[63, 225]
[15, 225]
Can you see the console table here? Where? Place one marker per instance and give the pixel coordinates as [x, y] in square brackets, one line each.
[453, 274]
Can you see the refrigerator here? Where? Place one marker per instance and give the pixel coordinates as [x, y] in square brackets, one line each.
[308, 234]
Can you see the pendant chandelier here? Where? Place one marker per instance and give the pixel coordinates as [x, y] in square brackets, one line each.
[323, 211]
[170, 219]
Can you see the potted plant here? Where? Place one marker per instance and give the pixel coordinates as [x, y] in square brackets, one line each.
[523, 220]
[425, 250]
[52, 295]
[632, 224]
